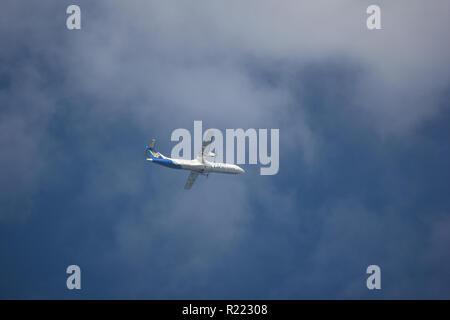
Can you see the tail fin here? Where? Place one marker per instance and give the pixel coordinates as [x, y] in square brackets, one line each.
[150, 151]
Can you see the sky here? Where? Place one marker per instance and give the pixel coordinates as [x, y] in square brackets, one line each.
[364, 126]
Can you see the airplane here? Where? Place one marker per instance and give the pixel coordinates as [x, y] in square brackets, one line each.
[197, 166]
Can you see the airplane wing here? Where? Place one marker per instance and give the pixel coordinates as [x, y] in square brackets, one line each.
[191, 179]
[206, 146]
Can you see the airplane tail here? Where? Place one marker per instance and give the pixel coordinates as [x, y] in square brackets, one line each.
[150, 152]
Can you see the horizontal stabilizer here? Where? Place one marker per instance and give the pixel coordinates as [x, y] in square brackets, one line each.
[151, 145]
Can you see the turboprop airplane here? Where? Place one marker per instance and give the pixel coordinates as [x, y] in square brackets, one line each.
[197, 166]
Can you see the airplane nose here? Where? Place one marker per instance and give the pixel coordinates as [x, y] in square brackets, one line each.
[241, 170]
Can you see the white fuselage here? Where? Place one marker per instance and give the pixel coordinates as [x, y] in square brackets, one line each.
[201, 166]
[206, 167]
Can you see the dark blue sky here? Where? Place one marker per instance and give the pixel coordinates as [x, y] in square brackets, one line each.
[364, 127]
